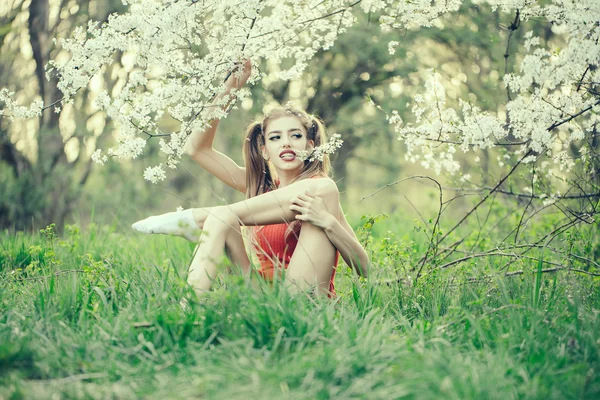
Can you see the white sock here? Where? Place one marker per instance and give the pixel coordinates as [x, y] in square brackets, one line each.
[179, 223]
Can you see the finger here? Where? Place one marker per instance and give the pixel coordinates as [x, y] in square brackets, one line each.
[300, 217]
[308, 193]
[297, 200]
[320, 201]
[297, 208]
[300, 201]
[304, 198]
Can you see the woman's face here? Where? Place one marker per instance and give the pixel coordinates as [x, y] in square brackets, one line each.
[284, 136]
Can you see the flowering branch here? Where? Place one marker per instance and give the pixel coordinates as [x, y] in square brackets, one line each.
[319, 152]
[572, 117]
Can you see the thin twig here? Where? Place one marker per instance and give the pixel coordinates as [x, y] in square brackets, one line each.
[397, 182]
[564, 121]
[487, 217]
[420, 216]
[512, 28]
[582, 76]
[311, 20]
[520, 224]
[542, 197]
[556, 269]
[392, 282]
[530, 246]
[486, 196]
[433, 242]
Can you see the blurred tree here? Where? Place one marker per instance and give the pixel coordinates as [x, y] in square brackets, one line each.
[44, 165]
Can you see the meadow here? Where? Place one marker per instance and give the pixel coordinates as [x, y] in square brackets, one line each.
[96, 313]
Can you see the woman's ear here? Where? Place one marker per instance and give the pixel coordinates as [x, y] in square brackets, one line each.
[264, 153]
[310, 145]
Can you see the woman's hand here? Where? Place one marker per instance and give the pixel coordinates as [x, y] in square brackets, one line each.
[312, 210]
[237, 79]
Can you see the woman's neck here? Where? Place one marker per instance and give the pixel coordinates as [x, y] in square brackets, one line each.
[286, 177]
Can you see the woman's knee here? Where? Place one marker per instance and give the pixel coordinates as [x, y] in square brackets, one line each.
[326, 188]
[222, 217]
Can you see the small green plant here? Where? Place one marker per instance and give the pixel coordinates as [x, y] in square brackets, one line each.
[37, 257]
[398, 254]
[364, 233]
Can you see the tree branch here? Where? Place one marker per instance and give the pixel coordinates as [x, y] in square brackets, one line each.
[511, 28]
[487, 195]
[564, 121]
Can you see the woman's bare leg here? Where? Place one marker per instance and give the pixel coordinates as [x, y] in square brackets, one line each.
[311, 265]
[221, 232]
[313, 259]
[268, 208]
[273, 207]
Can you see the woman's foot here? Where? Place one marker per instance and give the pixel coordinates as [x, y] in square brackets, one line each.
[179, 223]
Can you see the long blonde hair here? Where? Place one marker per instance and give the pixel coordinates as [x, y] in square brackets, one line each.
[260, 177]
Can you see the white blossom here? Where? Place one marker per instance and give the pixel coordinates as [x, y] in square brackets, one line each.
[129, 146]
[155, 174]
[319, 152]
[12, 110]
[392, 46]
[98, 157]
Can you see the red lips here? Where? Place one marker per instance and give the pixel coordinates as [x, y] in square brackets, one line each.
[284, 152]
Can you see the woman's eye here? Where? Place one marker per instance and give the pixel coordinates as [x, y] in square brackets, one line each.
[274, 137]
[297, 135]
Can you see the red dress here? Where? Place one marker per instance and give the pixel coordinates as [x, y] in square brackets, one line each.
[274, 250]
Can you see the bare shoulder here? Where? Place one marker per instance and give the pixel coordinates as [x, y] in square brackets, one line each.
[324, 183]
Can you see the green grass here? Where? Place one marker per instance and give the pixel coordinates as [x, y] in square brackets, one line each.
[77, 333]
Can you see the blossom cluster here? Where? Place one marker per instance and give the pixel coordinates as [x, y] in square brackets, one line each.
[435, 123]
[319, 152]
[12, 110]
[554, 103]
[155, 174]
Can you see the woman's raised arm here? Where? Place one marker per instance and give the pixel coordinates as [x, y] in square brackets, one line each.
[200, 144]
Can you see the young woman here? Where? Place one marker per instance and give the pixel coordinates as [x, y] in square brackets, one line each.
[291, 203]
